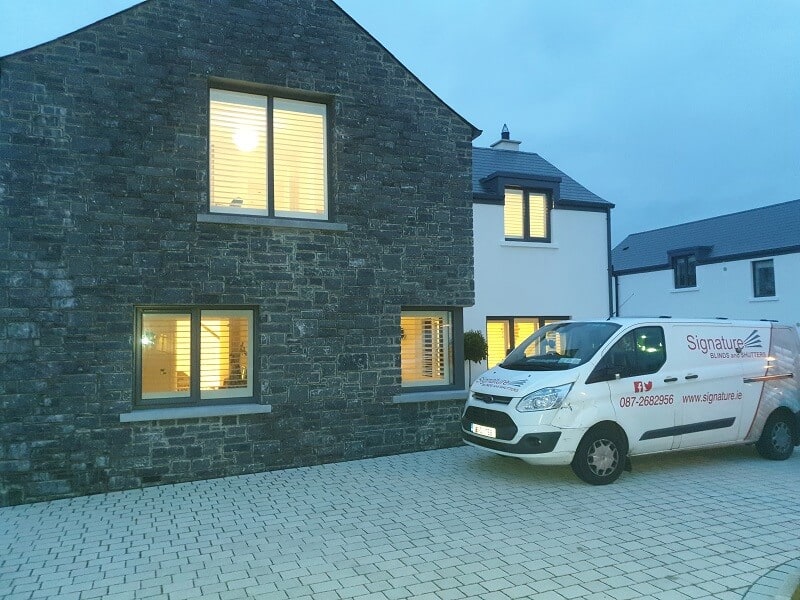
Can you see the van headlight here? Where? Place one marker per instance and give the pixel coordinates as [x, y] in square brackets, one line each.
[544, 399]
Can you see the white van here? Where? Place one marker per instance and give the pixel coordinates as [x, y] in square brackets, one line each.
[593, 393]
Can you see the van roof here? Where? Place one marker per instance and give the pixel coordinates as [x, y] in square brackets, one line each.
[625, 321]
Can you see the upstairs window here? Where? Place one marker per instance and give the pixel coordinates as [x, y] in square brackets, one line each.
[763, 279]
[526, 216]
[268, 156]
[684, 269]
[190, 356]
[426, 348]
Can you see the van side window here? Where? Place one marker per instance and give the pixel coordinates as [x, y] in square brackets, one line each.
[638, 352]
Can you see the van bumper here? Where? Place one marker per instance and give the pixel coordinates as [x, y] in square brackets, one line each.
[532, 443]
[548, 447]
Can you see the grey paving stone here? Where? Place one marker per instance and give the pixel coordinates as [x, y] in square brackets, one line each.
[475, 527]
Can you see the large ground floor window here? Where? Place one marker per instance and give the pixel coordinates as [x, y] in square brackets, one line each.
[503, 334]
[193, 355]
[429, 354]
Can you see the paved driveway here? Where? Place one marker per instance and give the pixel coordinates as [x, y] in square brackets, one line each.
[448, 524]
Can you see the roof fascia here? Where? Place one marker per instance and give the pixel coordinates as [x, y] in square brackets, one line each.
[715, 260]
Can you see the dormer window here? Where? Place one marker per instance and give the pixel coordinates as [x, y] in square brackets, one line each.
[684, 269]
[526, 215]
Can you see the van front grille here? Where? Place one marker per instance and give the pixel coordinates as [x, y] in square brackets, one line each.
[504, 426]
[491, 398]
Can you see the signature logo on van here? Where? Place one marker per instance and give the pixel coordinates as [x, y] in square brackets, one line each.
[714, 344]
[642, 386]
[753, 340]
[511, 385]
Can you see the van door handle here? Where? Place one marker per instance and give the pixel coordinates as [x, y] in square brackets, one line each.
[670, 380]
[691, 377]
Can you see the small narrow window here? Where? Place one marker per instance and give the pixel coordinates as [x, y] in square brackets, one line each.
[426, 348]
[763, 278]
[684, 269]
[191, 355]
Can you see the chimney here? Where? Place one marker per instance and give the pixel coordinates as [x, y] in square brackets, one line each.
[505, 142]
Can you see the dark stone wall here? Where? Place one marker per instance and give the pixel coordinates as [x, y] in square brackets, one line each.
[103, 172]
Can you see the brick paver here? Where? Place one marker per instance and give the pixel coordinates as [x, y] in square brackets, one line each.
[449, 524]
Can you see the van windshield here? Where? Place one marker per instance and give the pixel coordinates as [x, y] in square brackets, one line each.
[559, 346]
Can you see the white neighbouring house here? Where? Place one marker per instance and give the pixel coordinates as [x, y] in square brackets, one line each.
[744, 265]
[542, 248]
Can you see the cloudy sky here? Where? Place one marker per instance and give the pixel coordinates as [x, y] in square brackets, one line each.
[673, 110]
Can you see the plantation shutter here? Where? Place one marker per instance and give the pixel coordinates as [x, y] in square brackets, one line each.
[425, 348]
[224, 353]
[512, 214]
[238, 152]
[300, 159]
[537, 215]
[498, 340]
[523, 328]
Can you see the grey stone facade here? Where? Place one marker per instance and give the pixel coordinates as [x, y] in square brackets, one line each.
[103, 184]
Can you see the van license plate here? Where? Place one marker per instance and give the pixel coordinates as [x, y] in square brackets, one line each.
[483, 430]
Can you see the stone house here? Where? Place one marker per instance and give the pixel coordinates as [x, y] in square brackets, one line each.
[542, 248]
[741, 265]
[236, 236]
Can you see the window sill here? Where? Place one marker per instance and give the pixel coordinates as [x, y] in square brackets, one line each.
[429, 396]
[764, 299]
[538, 245]
[685, 290]
[194, 412]
[226, 219]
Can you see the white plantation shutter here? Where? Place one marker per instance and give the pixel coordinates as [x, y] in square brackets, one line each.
[512, 214]
[425, 348]
[225, 351]
[300, 159]
[498, 341]
[238, 152]
[537, 215]
[524, 328]
[166, 355]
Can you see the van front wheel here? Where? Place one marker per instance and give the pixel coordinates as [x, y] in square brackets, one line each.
[777, 439]
[600, 457]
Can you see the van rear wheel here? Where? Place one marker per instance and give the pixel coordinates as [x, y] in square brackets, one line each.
[600, 457]
[777, 439]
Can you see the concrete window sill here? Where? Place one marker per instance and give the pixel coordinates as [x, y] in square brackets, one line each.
[194, 412]
[430, 396]
[224, 219]
[530, 245]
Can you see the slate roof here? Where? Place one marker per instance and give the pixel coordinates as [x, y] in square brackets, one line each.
[487, 161]
[757, 232]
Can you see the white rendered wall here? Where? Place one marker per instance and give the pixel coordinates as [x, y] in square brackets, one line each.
[567, 277]
[723, 290]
